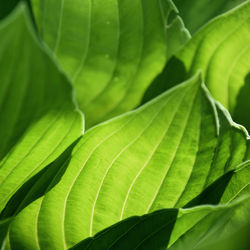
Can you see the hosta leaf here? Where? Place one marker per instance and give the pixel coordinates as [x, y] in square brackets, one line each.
[38, 119]
[180, 229]
[238, 239]
[227, 188]
[111, 49]
[36, 186]
[197, 13]
[177, 36]
[6, 7]
[4, 224]
[222, 51]
[164, 154]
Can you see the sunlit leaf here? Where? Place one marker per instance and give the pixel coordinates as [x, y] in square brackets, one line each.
[166, 154]
[38, 118]
[179, 229]
[112, 50]
[221, 50]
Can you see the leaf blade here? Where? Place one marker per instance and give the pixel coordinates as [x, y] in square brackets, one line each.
[114, 54]
[117, 167]
[39, 120]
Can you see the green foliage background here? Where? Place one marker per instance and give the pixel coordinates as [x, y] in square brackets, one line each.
[162, 90]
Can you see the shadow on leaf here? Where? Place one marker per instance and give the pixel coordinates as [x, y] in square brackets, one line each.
[213, 193]
[241, 111]
[173, 74]
[150, 231]
[39, 184]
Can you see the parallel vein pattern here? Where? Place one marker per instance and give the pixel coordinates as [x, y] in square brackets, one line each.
[173, 229]
[111, 49]
[38, 119]
[221, 51]
[202, 11]
[164, 154]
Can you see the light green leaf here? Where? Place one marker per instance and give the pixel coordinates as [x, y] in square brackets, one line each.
[180, 229]
[164, 154]
[177, 36]
[38, 118]
[197, 13]
[110, 49]
[222, 51]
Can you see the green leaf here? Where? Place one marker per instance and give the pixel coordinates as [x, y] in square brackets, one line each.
[227, 188]
[177, 35]
[112, 50]
[164, 154]
[4, 224]
[38, 185]
[197, 13]
[180, 229]
[221, 51]
[38, 118]
[6, 7]
[239, 239]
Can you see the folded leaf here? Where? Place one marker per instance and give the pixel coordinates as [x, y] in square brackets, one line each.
[222, 51]
[111, 49]
[38, 118]
[180, 229]
[161, 155]
[197, 13]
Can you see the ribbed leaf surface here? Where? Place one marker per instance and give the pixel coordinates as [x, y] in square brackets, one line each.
[221, 50]
[38, 118]
[165, 154]
[179, 229]
[111, 49]
[196, 13]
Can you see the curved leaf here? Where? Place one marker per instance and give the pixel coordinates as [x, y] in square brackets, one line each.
[111, 49]
[38, 119]
[7, 7]
[196, 13]
[222, 51]
[4, 224]
[163, 154]
[181, 229]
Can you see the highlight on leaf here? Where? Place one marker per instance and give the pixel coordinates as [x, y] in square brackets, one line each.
[163, 163]
[167, 154]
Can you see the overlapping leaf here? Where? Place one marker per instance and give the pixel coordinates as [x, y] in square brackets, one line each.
[6, 7]
[222, 51]
[38, 119]
[196, 13]
[180, 229]
[180, 150]
[165, 154]
[111, 49]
